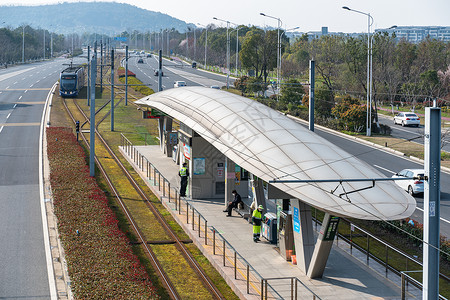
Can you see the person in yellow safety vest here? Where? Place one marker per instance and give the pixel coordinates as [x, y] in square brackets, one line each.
[184, 175]
[256, 219]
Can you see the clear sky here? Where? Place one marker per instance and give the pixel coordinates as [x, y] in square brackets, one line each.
[308, 15]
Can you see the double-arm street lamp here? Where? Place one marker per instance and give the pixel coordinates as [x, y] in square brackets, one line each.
[237, 48]
[228, 50]
[278, 48]
[369, 69]
[206, 39]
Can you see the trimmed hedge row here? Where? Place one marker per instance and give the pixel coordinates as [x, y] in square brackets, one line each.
[100, 260]
[144, 90]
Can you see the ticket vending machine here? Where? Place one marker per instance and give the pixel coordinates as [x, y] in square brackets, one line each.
[286, 235]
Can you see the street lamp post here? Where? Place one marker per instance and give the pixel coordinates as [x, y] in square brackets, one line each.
[369, 70]
[237, 49]
[281, 36]
[23, 44]
[278, 49]
[228, 48]
[206, 39]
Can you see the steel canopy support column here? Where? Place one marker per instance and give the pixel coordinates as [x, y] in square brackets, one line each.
[431, 205]
[92, 119]
[312, 82]
[323, 246]
[303, 233]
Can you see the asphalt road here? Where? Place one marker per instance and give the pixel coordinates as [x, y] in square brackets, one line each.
[386, 162]
[414, 134]
[173, 71]
[23, 267]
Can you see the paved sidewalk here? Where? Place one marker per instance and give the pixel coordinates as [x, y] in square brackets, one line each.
[345, 277]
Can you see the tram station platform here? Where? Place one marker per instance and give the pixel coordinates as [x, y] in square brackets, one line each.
[345, 276]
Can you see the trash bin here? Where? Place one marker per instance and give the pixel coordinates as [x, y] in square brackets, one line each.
[269, 227]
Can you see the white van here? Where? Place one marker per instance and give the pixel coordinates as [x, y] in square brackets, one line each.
[179, 84]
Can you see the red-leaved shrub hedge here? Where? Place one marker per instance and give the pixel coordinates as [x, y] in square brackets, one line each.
[100, 260]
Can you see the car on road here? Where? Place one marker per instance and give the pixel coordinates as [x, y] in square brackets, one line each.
[156, 73]
[140, 61]
[215, 87]
[406, 119]
[179, 84]
[149, 55]
[412, 186]
[194, 65]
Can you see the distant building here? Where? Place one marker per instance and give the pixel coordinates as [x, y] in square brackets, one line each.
[415, 34]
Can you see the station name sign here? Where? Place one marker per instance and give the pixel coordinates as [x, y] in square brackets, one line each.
[152, 114]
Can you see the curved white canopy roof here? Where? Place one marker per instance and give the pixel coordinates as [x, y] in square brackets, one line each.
[272, 146]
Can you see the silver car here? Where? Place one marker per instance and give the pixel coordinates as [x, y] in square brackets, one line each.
[406, 119]
[413, 186]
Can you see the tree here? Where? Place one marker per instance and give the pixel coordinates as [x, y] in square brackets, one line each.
[350, 113]
[251, 54]
[324, 101]
[292, 92]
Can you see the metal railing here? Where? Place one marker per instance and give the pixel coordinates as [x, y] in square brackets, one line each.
[213, 241]
[390, 257]
[292, 286]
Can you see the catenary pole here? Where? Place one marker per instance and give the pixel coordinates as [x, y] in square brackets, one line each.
[92, 119]
[160, 72]
[89, 75]
[431, 203]
[126, 75]
[312, 82]
[112, 89]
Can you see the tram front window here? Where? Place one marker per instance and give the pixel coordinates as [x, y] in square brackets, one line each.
[68, 83]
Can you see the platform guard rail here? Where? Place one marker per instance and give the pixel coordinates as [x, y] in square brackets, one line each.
[243, 270]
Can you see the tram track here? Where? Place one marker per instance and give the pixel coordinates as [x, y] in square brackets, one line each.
[174, 239]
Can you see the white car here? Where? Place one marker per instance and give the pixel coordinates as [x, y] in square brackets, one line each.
[179, 84]
[413, 186]
[407, 118]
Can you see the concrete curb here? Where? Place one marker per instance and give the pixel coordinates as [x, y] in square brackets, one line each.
[61, 280]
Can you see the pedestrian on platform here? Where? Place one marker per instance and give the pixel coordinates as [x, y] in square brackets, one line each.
[256, 219]
[184, 175]
[233, 204]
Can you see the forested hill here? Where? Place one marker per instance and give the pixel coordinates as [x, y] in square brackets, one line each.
[100, 17]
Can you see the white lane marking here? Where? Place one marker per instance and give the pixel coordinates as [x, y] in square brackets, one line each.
[7, 87]
[26, 91]
[1, 128]
[7, 117]
[442, 219]
[384, 169]
[20, 97]
[9, 75]
[31, 85]
[38, 81]
[15, 82]
[48, 254]
[15, 105]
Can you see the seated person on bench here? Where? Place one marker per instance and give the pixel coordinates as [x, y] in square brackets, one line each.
[233, 204]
